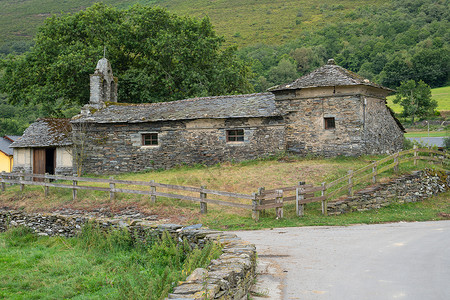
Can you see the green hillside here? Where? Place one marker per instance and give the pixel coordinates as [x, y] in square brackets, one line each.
[242, 22]
[441, 95]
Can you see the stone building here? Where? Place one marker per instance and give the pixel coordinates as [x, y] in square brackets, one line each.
[45, 147]
[333, 111]
[328, 112]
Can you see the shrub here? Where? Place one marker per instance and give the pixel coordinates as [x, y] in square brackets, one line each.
[447, 143]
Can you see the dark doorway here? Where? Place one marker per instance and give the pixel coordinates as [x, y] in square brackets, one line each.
[50, 160]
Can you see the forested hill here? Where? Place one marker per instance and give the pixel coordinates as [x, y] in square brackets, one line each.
[242, 22]
[385, 41]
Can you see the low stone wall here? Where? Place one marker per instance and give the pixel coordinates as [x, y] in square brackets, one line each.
[228, 277]
[409, 188]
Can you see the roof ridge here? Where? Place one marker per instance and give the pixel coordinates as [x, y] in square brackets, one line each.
[190, 99]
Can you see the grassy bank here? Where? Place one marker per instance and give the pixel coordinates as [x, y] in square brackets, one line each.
[441, 95]
[426, 134]
[96, 265]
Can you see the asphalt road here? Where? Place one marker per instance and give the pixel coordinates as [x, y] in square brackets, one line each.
[432, 141]
[384, 261]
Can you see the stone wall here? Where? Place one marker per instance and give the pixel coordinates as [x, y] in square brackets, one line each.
[381, 133]
[117, 148]
[363, 123]
[409, 188]
[228, 277]
[305, 125]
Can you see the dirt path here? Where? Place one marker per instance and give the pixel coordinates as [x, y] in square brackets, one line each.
[384, 261]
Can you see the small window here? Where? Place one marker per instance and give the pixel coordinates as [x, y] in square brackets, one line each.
[329, 123]
[150, 139]
[235, 135]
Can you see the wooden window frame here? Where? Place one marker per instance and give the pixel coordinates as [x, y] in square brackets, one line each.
[150, 139]
[235, 135]
[330, 123]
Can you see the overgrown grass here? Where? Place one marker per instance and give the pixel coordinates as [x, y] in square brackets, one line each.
[95, 265]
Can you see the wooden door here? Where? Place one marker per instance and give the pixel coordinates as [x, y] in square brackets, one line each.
[39, 161]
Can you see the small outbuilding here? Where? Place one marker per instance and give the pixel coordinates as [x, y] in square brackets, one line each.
[45, 147]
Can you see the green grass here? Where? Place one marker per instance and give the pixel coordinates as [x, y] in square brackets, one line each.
[441, 95]
[242, 22]
[425, 134]
[96, 265]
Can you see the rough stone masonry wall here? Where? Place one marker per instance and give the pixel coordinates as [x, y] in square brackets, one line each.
[382, 135]
[409, 188]
[305, 126]
[228, 277]
[117, 148]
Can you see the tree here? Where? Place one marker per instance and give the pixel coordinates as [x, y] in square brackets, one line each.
[156, 55]
[415, 98]
[284, 72]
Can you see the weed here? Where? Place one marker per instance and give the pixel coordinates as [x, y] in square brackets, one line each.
[98, 263]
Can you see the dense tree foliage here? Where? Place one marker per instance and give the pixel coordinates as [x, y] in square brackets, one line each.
[157, 57]
[391, 43]
[415, 98]
[14, 119]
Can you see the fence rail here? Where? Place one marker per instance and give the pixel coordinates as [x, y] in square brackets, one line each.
[260, 201]
[44, 180]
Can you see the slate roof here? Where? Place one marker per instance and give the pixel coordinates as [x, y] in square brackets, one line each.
[4, 146]
[47, 132]
[218, 107]
[12, 138]
[327, 75]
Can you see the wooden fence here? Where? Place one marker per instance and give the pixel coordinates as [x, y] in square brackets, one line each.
[260, 201]
[150, 190]
[345, 185]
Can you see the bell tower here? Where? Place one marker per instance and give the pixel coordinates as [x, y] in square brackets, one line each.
[103, 85]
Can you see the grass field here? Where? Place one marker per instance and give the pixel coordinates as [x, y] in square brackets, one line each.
[95, 265]
[245, 178]
[242, 22]
[441, 95]
[425, 134]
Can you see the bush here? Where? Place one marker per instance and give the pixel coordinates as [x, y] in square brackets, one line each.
[447, 143]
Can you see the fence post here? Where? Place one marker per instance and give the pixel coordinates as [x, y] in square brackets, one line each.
[279, 199]
[203, 205]
[46, 188]
[21, 178]
[324, 202]
[2, 177]
[350, 183]
[396, 163]
[415, 155]
[152, 191]
[300, 208]
[261, 191]
[112, 186]
[74, 190]
[255, 211]
[374, 173]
